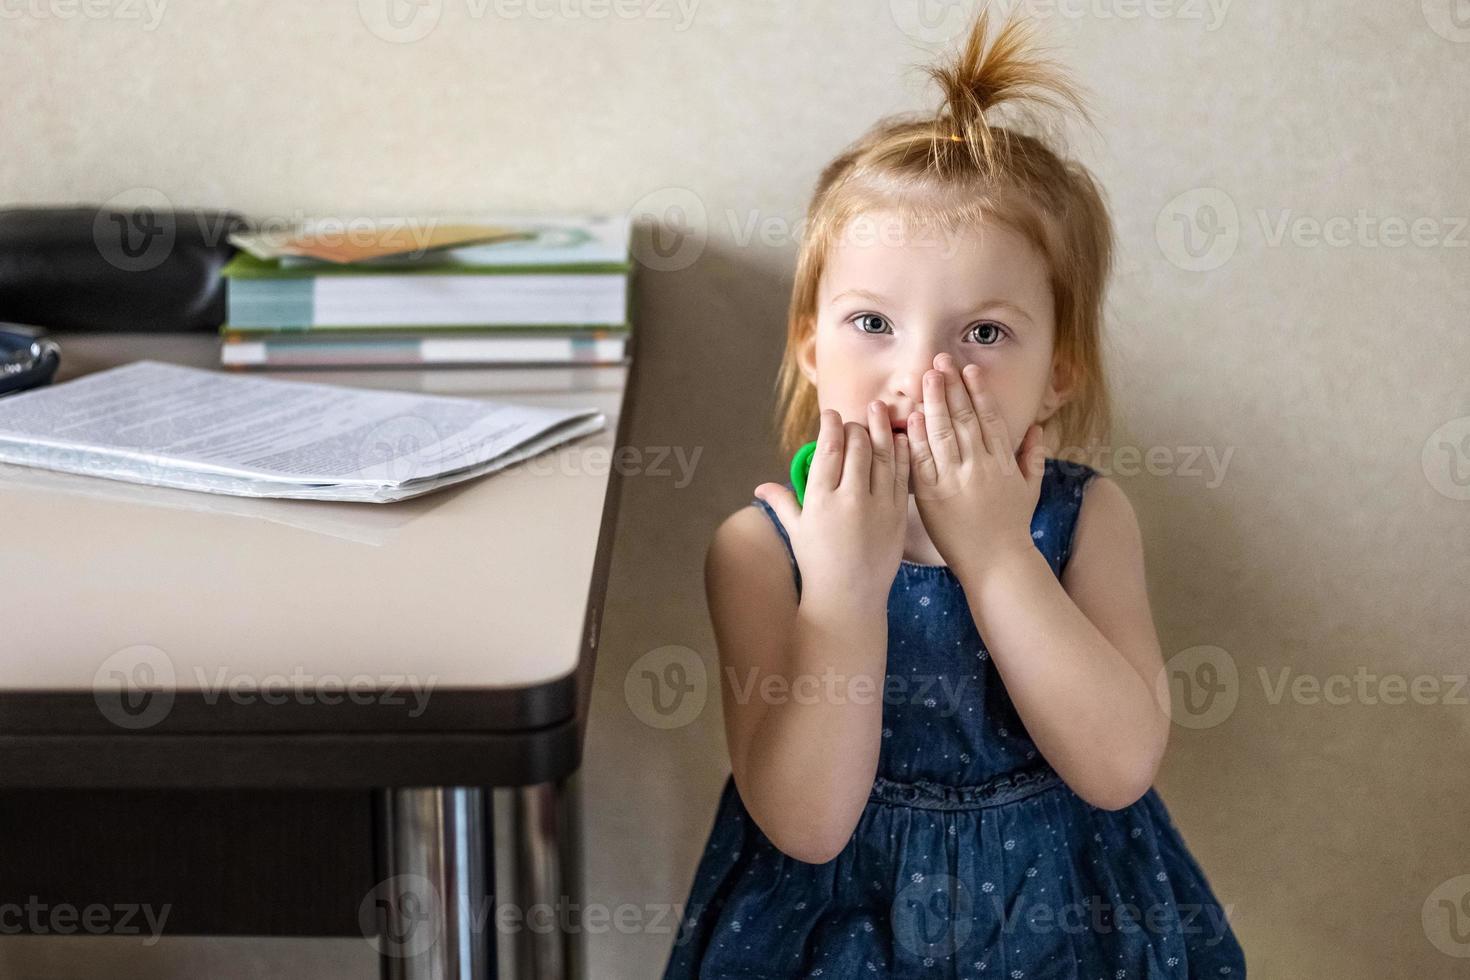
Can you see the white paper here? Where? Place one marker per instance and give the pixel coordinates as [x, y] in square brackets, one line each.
[168, 425]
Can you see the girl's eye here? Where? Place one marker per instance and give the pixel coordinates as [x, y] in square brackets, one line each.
[987, 329]
[987, 333]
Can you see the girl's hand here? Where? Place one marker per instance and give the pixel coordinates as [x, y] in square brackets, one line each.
[975, 496]
[848, 538]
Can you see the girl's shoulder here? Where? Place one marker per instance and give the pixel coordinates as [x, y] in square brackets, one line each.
[743, 546]
[771, 518]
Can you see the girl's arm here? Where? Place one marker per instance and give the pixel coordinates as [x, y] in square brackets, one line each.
[1079, 656]
[802, 689]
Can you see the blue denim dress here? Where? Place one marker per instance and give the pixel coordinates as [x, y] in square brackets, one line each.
[971, 858]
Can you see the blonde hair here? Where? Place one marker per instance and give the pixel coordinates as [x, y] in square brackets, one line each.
[951, 170]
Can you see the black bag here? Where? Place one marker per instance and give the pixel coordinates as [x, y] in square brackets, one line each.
[100, 269]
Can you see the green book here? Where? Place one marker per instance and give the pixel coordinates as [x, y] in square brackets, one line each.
[570, 271]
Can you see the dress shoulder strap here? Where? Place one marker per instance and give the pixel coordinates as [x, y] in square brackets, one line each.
[1055, 520]
[785, 538]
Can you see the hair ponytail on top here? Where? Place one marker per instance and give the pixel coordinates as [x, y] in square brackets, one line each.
[960, 167]
[982, 76]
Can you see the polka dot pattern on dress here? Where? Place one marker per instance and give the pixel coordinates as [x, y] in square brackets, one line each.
[959, 840]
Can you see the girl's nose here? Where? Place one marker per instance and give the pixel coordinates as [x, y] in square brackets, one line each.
[909, 385]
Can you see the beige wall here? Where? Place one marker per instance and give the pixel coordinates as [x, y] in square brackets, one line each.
[1333, 374]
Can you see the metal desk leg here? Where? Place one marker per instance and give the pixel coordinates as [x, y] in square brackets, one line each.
[430, 910]
[431, 915]
[538, 868]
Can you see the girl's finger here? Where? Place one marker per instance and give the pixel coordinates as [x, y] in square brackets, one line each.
[827, 460]
[939, 432]
[992, 426]
[901, 469]
[859, 461]
[961, 409]
[880, 431]
[1032, 457]
[922, 468]
[782, 501]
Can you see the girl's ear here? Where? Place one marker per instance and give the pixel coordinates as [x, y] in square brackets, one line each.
[806, 354]
[1058, 390]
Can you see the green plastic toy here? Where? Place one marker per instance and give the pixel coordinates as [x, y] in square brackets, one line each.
[801, 465]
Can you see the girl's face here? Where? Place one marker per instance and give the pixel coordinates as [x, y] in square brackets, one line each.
[889, 302]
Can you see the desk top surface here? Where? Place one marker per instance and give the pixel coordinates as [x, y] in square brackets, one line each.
[479, 586]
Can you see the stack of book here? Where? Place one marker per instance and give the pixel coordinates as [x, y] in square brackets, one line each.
[498, 290]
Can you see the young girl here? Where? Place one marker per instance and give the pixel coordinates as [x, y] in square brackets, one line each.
[941, 677]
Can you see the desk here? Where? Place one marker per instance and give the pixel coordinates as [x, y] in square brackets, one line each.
[486, 597]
